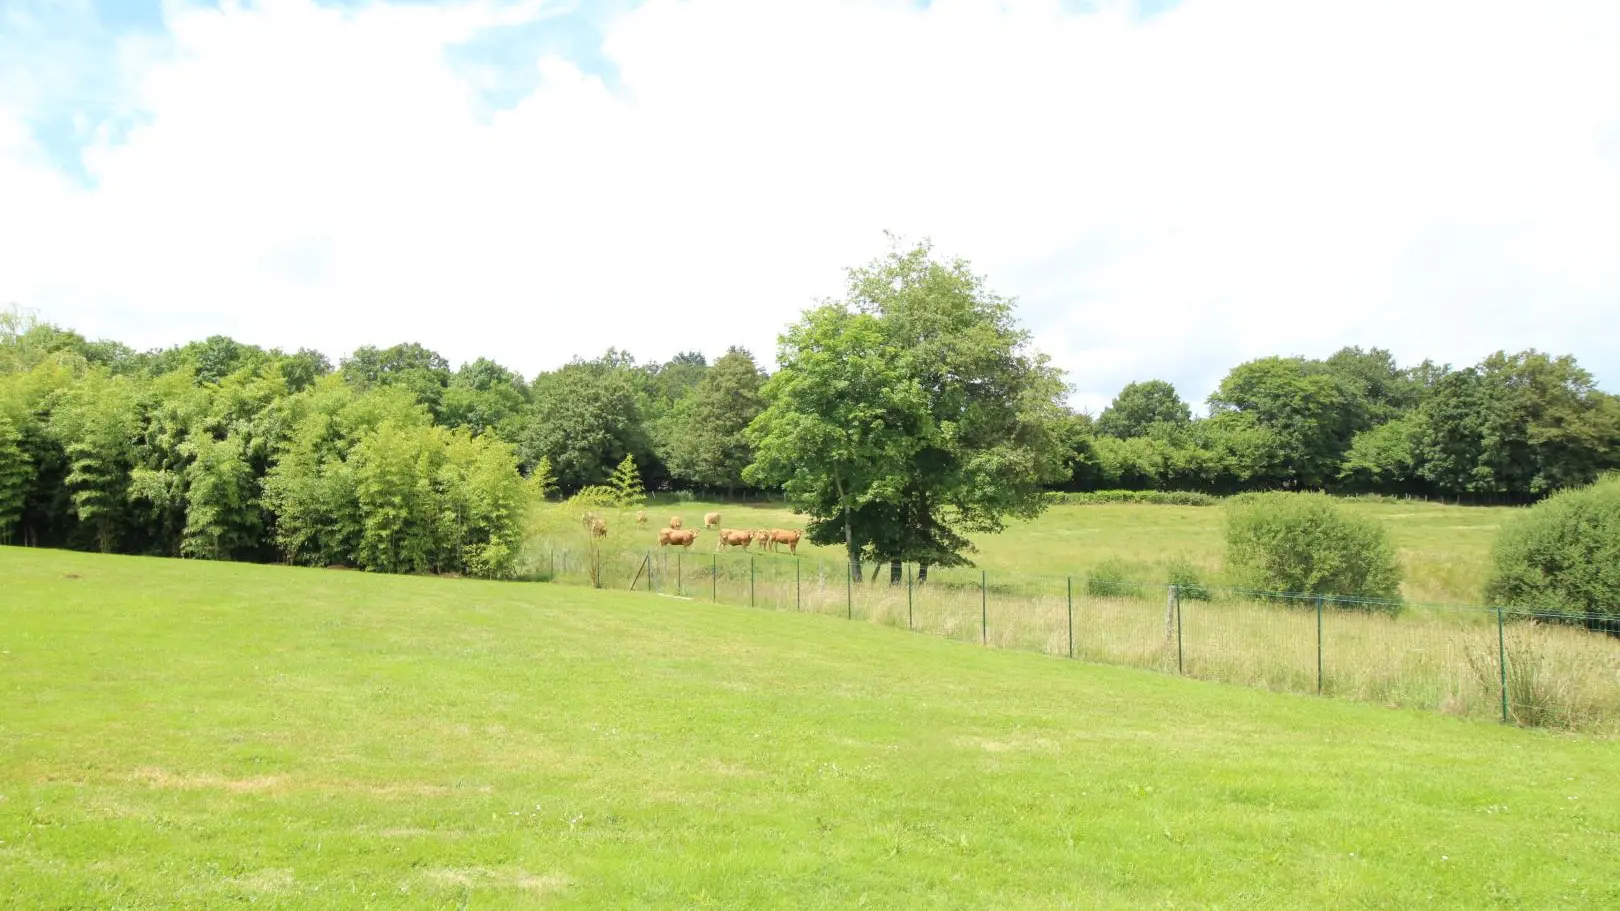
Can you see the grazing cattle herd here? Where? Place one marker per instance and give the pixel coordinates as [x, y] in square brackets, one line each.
[768, 539]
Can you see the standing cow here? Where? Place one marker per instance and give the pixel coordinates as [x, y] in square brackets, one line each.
[681, 539]
[785, 536]
[675, 522]
[730, 538]
[711, 520]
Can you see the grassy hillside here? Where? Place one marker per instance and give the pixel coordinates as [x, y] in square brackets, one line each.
[178, 734]
[1445, 550]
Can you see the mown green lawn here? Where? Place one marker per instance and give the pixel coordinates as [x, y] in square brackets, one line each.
[1444, 550]
[188, 735]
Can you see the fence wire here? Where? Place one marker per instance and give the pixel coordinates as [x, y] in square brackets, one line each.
[1521, 666]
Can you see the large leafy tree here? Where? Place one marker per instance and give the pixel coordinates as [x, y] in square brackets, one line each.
[585, 419]
[1379, 387]
[1139, 406]
[425, 373]
[1518, 425]
[484, 397]
[302, 368]
[837, 427]
[667, 384]
[911, 413]
[1310, 411]
[704, 442]
[1383, 458]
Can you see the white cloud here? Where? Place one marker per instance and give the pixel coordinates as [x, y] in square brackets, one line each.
[1166, 196]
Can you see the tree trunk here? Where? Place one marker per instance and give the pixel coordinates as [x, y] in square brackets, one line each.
[922, 573]
[895, 577]
[849, 535]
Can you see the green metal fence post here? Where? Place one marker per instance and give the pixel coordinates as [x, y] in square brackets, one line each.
[1501, 662]
[908, 596]
[649, 571]
[1175, 598]
[677, 572]
[714, 577]
[750, 580]
[1318, 644]
[984, 609]
[1070, 581]
[849, 590]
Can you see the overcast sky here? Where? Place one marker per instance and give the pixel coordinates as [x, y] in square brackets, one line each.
[1166, 188]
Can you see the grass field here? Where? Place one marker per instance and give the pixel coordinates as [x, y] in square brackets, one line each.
[1030, 591]
[1444, 550]
[181, 734]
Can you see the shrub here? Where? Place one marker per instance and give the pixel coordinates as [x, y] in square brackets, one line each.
[1112, 579]
[1187, 578]
[1156, 497]
[626, 484]
[1561, 557]
[1304, 543]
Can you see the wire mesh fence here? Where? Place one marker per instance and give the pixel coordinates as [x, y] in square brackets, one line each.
[1521, 666]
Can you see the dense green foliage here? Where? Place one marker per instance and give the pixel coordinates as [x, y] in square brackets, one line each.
[910, 413]
[904, 418]
[1157, 497]
[1139, 406]
[222, 451]
[393, 462]
[14, 475]
[1512, 428]
[703, 438]
[1306, 543]
[1562, 556]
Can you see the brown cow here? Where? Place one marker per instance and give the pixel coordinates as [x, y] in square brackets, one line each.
[681, 539]
[598, 526]
[763, 538]
[730, 538]
[711, 520]
[641, 518]
[675, 522]
[785, 536]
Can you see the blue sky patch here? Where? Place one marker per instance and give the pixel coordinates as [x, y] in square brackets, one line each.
[128, 15]
[511, 52]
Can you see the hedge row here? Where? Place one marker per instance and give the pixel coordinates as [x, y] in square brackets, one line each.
[1158, 497]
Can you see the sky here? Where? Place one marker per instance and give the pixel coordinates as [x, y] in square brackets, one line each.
[1167, 188]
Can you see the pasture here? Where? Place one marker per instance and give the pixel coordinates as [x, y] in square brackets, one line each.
[186, 734]
[1444, 550]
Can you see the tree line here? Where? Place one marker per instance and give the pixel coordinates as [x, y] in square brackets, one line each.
[903, 417]
[389, 460]
[1512, 428]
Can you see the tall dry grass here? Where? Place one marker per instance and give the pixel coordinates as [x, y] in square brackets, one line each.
[1445, 659]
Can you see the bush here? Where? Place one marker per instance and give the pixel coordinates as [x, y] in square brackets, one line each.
[1561, 557]
[1156, 497]
[1186, 577]
[1304, 543]
[1112, 579]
